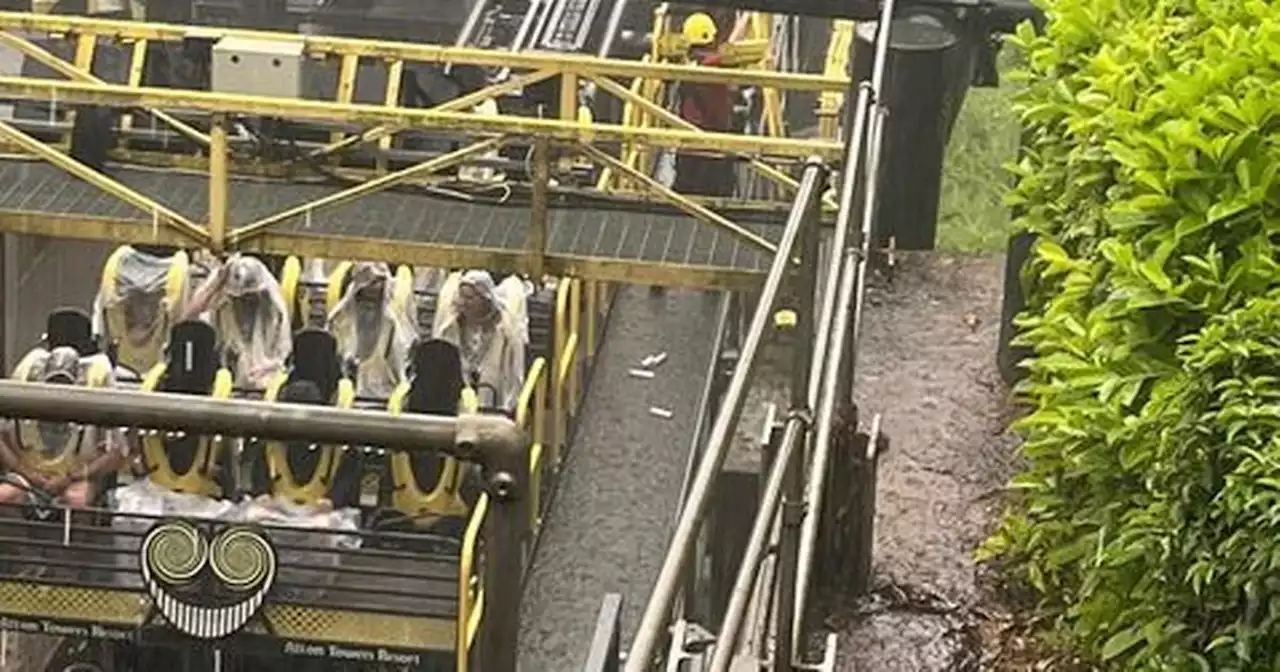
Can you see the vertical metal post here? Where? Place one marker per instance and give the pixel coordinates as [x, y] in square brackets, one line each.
[569, 96]
[834, 342]
[8, 302]
[504, 562]
[218, 160]
[540, 211]
[804, 285]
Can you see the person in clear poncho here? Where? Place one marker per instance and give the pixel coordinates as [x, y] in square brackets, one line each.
[57, 460]
[372, 332]
[244, 303]
[134, 309]
[490, 336]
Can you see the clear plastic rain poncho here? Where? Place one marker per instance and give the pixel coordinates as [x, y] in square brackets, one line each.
[373, 332]
[490, 328]
[134, 310]
[252, 319]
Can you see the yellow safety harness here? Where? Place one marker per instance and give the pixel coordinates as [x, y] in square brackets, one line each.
[283, 482]
[290, 278]
[141, 356]
[445, 498]
[199, 479]
[35, 453]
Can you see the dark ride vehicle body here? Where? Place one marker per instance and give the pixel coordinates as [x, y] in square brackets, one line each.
[393, 564]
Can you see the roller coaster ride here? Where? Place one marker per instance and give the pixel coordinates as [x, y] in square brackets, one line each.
[380, 531]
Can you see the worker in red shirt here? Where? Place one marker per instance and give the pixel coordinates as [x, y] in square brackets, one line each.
[710, 107]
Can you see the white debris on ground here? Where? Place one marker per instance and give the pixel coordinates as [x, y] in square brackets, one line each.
[646, 371]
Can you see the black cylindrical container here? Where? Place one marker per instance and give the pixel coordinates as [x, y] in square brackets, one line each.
[1008, 356]
[930, 65]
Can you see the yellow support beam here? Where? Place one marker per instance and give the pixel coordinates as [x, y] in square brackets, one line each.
[839, 48]
[110, 95]
[160, 213]
[328, 46]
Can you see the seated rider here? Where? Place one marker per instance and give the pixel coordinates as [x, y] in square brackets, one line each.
[138, 299]
[488, 335]
[244, 303]
[53, 460]
[373, 333]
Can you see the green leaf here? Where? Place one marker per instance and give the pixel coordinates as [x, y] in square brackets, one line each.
[1121, 642]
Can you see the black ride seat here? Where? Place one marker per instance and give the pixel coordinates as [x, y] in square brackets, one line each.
[314, 359]
[429, 489]
[72, 328]
[188, 463]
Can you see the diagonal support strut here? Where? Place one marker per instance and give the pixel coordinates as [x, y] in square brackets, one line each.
[159, 211]
[442, 162]
[675, 198]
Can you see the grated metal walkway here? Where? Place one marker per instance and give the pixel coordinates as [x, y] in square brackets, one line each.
[28, 187]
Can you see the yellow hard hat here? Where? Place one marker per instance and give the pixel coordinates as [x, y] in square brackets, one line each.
[699, 30]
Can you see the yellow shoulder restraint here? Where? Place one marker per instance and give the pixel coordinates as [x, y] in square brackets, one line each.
[290, 279]
[33, 450]
[140, 356]
[283, 483]
[333, 290]
[445, 498]
[199, 479]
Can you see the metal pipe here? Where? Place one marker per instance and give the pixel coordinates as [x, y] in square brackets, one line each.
[612, 28]
[868, 239]
[483, 438]
[793, 505]
[757, 544]
[839, 239]
[824, 417]
[468, 27]
[825, 386]
[653, 623]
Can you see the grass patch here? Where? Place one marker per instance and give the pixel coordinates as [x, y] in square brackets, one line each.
[972, 216]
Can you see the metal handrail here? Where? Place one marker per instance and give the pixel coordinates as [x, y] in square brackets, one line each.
[653, 623]
[835, 348]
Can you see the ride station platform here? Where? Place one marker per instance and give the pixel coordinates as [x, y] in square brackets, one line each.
[340, 179]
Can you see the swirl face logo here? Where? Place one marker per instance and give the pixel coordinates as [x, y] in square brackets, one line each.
[208, 590]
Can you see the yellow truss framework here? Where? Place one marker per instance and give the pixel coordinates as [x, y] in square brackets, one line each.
[86, 34]
[570, 133]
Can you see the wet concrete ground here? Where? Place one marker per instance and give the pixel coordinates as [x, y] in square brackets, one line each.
[927, 364]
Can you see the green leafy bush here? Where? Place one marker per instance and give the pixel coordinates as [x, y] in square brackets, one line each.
[1151, 517]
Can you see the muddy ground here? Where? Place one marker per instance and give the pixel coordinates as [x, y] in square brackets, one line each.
[927, 364]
